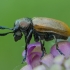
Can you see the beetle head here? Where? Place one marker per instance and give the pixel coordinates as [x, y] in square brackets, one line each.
[21, 25]
[17, 35]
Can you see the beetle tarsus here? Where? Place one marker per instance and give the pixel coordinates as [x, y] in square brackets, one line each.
[42, 54]
[24, 58]
[42, 47]
[59, 51]
[57, 46]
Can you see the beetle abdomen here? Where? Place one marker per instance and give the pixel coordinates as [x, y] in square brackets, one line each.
[50, 25]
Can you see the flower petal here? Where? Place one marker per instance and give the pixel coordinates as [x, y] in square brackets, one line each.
[67, 64]
[27, 67]
[33, 54]
[41, 67]
[30, 48]
[35, 61]
[47, 59]
[64, 47]
[59, 59]
[56, 67]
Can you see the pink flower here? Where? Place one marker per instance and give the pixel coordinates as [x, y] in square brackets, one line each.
[64, 47]
[50, 61]
[33, 54]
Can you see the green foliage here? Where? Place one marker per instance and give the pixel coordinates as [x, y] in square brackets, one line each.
[10, 10]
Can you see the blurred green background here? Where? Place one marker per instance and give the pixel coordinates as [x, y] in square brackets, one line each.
[10, 10]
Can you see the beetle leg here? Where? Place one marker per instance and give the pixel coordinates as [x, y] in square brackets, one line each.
[57, 47]
[25, 53]
[28, 38]
[42, 47]
[36, 38]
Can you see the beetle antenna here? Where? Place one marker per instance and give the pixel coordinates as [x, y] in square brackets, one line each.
[3, 34]
[2, 27]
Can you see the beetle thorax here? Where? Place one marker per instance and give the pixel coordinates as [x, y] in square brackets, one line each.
[23, 23]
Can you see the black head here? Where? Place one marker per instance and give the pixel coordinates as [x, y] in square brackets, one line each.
[17, 35]
[21, 26]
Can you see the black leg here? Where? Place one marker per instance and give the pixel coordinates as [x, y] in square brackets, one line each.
[25, 54]
[57, 47]
[42, 47]
[28, 38]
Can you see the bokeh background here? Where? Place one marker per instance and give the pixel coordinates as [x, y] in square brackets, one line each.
[10, 10]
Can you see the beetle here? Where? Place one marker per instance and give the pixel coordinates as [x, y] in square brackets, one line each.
[41, 28]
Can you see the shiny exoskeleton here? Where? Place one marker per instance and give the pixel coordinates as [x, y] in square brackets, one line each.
[41, 28]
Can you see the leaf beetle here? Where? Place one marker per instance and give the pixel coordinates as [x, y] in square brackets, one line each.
[41, 28]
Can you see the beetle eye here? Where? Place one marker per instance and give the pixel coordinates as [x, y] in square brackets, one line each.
[17, 35]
